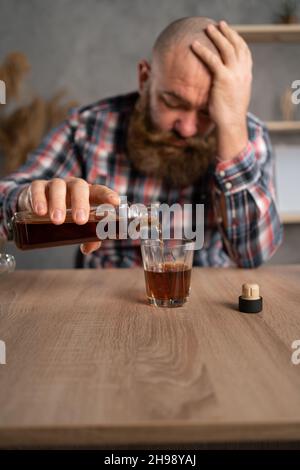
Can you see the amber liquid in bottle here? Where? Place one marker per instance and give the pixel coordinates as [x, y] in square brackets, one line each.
[30, 231]
[29, 235]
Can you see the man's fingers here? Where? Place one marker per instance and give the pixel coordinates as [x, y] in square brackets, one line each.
[210, 59]
[103, 195]
[37, 197]
[79, 195]
[89, 247]
[222, 43]
[243, 52]
[57, 200]
[54, 195]
[233, 37]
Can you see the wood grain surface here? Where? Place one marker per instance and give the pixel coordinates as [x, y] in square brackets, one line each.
[90, 363]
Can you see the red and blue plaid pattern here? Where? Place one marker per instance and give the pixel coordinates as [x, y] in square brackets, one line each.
[242, 225]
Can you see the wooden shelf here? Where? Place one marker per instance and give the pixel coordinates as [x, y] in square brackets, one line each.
[290, 218]
[284, 126]
[269, 32]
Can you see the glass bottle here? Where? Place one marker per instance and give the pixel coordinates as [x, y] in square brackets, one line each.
[31, 231]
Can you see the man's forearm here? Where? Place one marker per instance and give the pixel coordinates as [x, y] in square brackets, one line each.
[232, 139]
[244, 201]
[9, 194]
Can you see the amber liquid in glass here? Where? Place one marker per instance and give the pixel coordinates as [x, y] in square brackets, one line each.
[169, 281]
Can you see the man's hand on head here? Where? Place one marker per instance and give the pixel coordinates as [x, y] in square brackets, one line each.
[231, 87]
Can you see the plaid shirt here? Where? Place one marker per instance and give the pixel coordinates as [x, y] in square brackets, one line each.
[242, 225]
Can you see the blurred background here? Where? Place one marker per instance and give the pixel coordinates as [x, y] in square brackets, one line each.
[73, 52]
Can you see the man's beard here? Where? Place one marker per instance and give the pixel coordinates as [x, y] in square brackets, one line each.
[152, 152]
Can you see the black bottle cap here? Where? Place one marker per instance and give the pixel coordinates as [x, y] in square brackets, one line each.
[250, 301]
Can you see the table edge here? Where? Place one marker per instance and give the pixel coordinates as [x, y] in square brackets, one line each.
[150, 433]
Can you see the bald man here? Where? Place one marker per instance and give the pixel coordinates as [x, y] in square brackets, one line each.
[186, 137]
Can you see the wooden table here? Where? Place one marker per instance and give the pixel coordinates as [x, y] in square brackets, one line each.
[89, 363]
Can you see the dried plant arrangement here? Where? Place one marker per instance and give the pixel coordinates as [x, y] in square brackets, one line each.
[23, 122]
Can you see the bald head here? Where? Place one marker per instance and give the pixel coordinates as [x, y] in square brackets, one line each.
[181, 34]
[177, 84]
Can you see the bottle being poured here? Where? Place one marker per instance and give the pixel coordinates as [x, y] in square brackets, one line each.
[105, 222]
